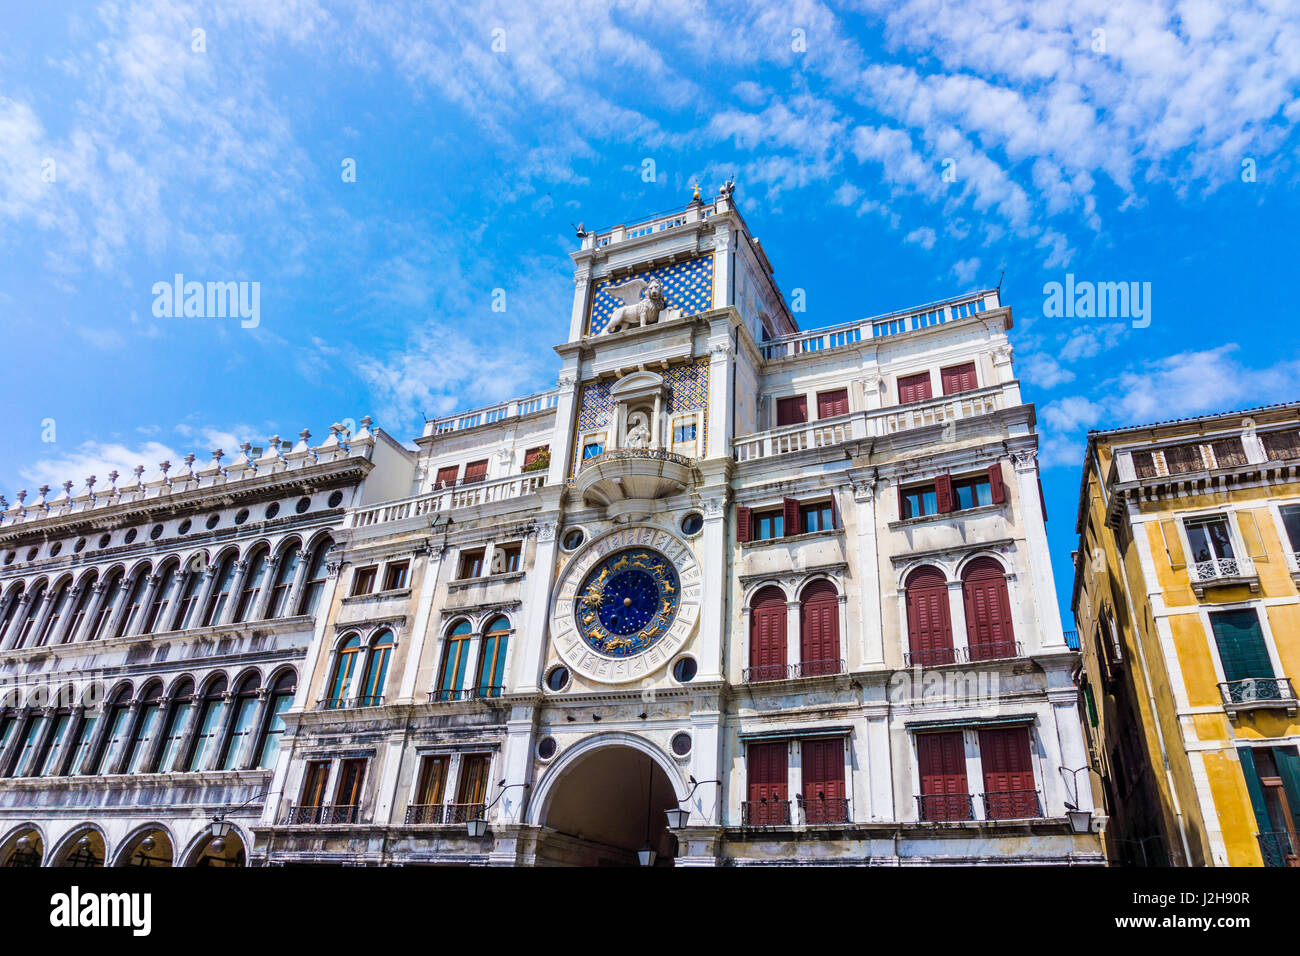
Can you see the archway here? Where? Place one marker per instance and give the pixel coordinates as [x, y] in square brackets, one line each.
[219, 851]
[151, 846]
[85, 848]
[25, 847]
[604, 806]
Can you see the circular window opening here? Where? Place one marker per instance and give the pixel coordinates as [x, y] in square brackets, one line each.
[336, 499]
[302, 505]
[242, 516]
[130, 536]
[156, 533]
[55, 548]
[184, 527]
[272, 510]
[684, 670]
[558, 678]
[31, 555]
[693, 523]
[9, 558]
[681, 744]
[79, 546]
[573, 539]
[546, 748]
[213, 521]
[104, 540]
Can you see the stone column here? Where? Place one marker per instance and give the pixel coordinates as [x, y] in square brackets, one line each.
[160, 739]
[713, 573]
[722, 271]
[205, 594]
[228, 709]
[408, 687]
[92, 611]
[51, 601]
[581, 292]
[957, 615]
[793, 655]
[118, 764]
[16, 622]
[65, 625]
[872, 636]
[526, 674]
[123, 601]
[262, 605]
[195, 702]
[299, 582]
[242, 568]
[1042, 584]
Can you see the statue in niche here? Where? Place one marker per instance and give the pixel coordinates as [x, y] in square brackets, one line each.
[638, 431]
[642, 302]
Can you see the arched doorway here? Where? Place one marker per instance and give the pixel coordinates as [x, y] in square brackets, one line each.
[149, 847]
[85, 848]
[603, 806]
[227, 850]
[23, 848]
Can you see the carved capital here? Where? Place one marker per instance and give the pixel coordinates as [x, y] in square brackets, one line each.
[1024, 460]
[546, 530]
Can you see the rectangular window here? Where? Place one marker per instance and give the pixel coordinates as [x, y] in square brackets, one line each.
[472, 789]
[919, 502]
[446, 476]
[471, 563]
[433, 783]
[941, 760]
[768, 770]
[817, 517]
[1240, 640]
[505, 558]
[684, 433]
[313, 785]
[1210, 539]
[914, 388]
[592, 448]
[395, 575]
[833, 404]
[769, 524]
[144, 737]
[1228, 452]
[823, 781]
[792, 410]
[971, 492]
[1279, 446]
[958, 378]
[1144, 464]
[1273, 782]
[1291, 524]
[363, 580]
[536, 459]
[1009, 790]
[1181, 459]
[347, 798]
[476, 471]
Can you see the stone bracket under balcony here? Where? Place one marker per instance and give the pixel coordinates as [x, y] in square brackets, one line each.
[627, 481]
[1222, 573]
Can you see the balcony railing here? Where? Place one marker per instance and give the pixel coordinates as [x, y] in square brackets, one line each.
[761, 673]
[821, 811]
[634, 454]
[765, 813]
[936, 656]
[945, 807]
[481, 692]
[1277, 849]
[991, 651]
[462, 812]
[425, 813]
[1012, 805]
[1217, 569]
[1257, 692]
[824, 668]
[495, 413]
[463, 495]
[324, 815]
[349, 703]
[876, 423]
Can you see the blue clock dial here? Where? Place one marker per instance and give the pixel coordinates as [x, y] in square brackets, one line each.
[627, 602]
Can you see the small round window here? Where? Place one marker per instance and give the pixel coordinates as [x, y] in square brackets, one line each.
[573, 539]
[546, 748]
[156, 532]
[684, 670]
[302, 505]
[558, 678]
[681, 744]
[130, 536]
[693, 524]
[212, 521]
[55, 548]
[336, 499]
[31, 555]
[242, 516]
[104, 540]
[79, 546]
[9, 558]
[272, 510]
[184, 527]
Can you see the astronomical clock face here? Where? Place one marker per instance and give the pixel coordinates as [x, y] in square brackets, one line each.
[626, 604]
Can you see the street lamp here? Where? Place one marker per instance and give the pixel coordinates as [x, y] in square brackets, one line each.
[646, 855]
[679, 817]
[478, 825]
[1080, 820]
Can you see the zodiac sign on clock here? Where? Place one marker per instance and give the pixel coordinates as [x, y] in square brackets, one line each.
[627, 602]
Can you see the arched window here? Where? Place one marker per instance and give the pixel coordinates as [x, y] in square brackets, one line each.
[10, 608]
[211, 710]
[134, 603]
[819, 630]
[451, 677]
[273, 727]
[372, 688]
[316, 574]
[163, 595]
[33, 611]
[82, 607]
[107, 601]
[988, 611]
[243, 724]
[767, 648]
[492, 659]
[929, 625]
[82, 759]
[344, 666]
[284, 576]
[178, 722]
[221, 591]
[58, 604]
[146, 729]
[119, 713]
[252, 585]
[59, 741]
[189, 600]
[24, 764]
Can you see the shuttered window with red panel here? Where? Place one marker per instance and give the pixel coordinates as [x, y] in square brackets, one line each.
[476, 471]
[958, 378]
[914, 388]
[823, 781]
[446, 476]
[929, 624]
[833, 404]
[767, 648]
[1009, 792]
[989, 634]
[532, 455]
[793, 525]
[767, 765]
[819, 630]
[997, 489]
[792, 410]
[744, 523]
[941, 760]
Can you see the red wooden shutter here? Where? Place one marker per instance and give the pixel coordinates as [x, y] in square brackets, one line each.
[913, 388]
[1008, 773]
[959, 378]
[792, 525]
[767, 636]
[819, 630]
[767, 765]
[532, 454]
[476, 471]
[998, 489]
[446, 477]
[929, 625]
[823, 780]
[988, 611]
[943, 496]
[835, 512]
[941, 760]
[744, 523]
[833, 404]
[792, 410]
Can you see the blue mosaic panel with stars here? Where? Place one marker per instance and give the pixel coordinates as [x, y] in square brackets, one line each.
[687, 285]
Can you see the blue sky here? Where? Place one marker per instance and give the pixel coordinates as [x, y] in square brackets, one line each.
[1138, 141]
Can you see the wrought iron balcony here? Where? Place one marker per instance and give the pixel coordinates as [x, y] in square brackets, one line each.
[323, 815]
[937, 656]
[1012, 805]
[425, 813]
[462, 812]
[481, 692]
[766, 672]
[1277, 849]
[945, 807]
[765, 813]
[349, 703]
[824, 668]
[822, 811]
[991, 651]
[1256, 692]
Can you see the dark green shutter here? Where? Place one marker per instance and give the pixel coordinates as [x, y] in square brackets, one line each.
[1288, 767]
[1241, 645]
[1255, 788]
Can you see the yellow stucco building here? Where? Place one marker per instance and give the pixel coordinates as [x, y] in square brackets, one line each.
[1185, 597]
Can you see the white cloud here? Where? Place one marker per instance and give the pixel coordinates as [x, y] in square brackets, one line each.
[923, 236]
